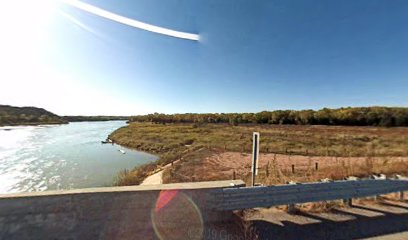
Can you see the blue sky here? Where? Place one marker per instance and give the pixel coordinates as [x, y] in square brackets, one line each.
[252, 56]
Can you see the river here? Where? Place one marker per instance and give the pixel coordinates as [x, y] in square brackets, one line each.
[39, 158]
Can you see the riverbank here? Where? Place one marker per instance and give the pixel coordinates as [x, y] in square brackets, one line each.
[157, 177]
[94, 118]
[197, 146]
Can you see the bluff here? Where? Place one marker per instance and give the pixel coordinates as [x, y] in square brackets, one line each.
[10, 115]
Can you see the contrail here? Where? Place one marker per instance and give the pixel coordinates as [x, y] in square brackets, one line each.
[77, 22]
[130, 22]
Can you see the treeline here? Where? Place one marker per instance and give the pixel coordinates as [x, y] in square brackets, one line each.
[350, 116]
[10, 115]
[94, 118]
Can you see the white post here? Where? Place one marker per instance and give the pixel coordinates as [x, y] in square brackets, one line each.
[255, 156]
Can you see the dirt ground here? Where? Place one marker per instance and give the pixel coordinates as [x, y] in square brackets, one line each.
[366, 219]
[277, 168]
[383, 218]
[242, 162]
[157, 178]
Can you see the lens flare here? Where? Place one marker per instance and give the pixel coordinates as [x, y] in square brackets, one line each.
[176, 216]
[164, 198]
[128, 21]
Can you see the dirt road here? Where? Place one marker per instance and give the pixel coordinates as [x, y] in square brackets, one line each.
[153, 179]
[156, 178]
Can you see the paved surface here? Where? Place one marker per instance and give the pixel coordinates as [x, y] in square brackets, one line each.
[382, 220]
[157, 178]
[396, 236]
[153, 179]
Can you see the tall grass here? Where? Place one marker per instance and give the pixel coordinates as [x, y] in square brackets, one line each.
[300, 140]
[183, 141]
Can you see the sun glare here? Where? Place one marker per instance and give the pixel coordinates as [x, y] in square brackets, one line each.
[24, 25]
[26, 13]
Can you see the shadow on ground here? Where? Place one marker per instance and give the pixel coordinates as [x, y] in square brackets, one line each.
[357, 222]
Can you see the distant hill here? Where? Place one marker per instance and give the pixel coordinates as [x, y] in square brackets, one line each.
[94, 118]
[10, 115]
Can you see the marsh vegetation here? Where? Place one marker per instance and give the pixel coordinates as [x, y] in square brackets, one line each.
[196, 144]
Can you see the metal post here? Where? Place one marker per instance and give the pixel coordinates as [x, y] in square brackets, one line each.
[255, 156]
[291, 207]
[348, 202]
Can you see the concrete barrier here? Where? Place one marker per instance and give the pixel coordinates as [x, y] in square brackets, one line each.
[167, 211]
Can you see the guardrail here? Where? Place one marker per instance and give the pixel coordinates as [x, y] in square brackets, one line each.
[228, 199]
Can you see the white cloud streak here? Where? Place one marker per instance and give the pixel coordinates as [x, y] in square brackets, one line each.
[77, 22]
[130, 22]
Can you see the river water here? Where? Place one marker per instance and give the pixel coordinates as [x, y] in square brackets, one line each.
[39, 158]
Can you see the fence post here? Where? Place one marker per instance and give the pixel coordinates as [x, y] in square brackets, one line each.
[291, 207]
[233, 175]
[348, 202]
[316, 166]
[293, 168]
[401, 194]
[255, 156]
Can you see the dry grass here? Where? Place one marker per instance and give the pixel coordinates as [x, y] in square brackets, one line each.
[340, 151]
[284, 139]
[277, 168]
[334, 170]
[135, 176]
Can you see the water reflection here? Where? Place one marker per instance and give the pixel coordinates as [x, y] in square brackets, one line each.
[62, 157]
